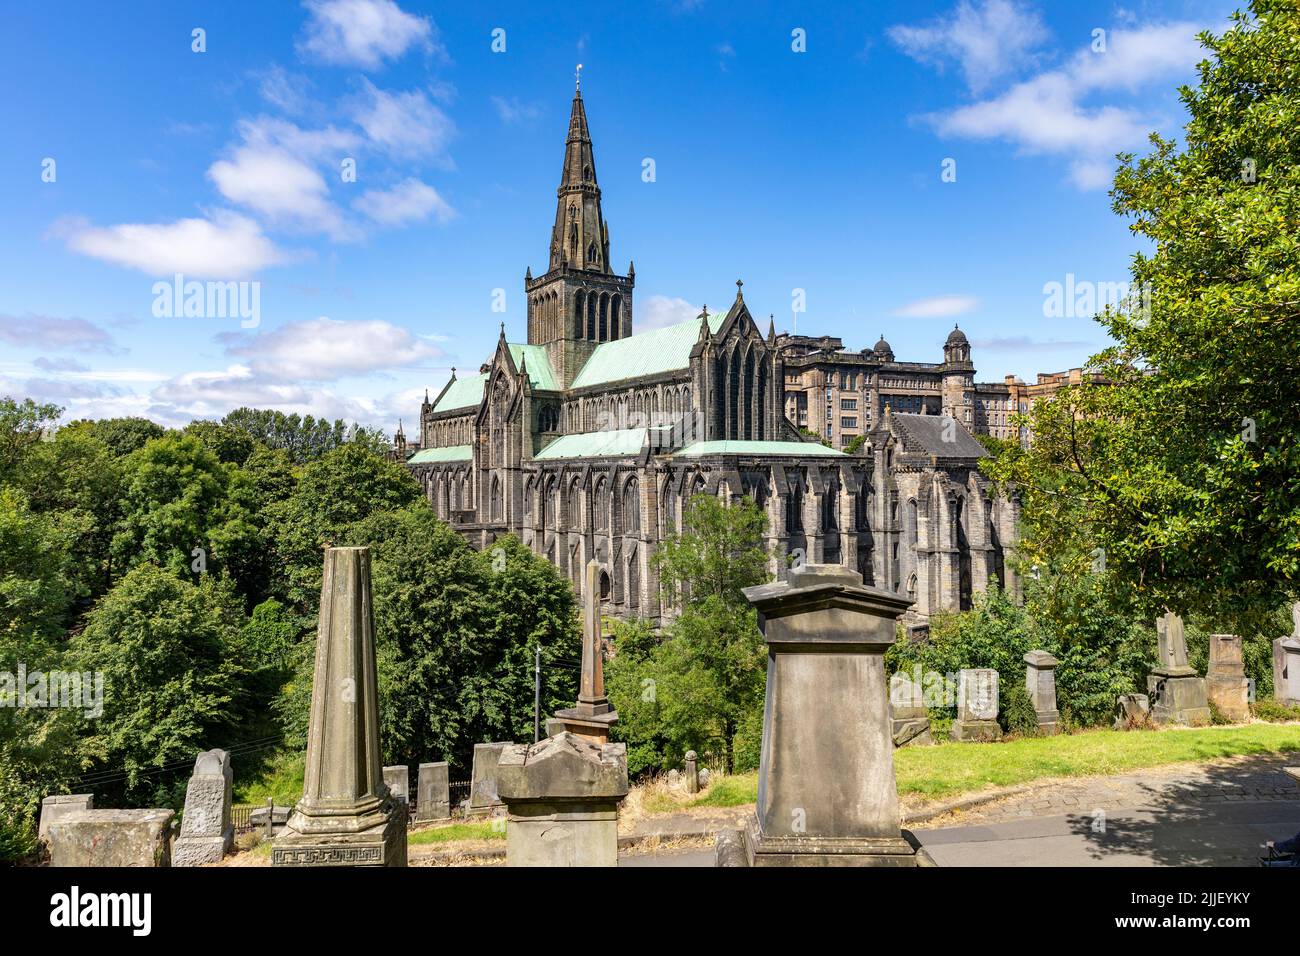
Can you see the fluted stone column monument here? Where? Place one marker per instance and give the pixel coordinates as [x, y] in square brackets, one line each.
[827, 795]
[593, 715]
[347, 816]
[1177, 693]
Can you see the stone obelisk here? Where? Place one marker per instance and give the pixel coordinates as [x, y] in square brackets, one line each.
[593, 716]
[347, 816]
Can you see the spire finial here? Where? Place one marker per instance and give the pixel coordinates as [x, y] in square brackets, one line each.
[739, 294]
[577, 79]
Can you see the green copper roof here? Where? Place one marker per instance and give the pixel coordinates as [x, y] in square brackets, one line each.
[539, 366]
[647, 353]
[463, 393]
[775, 449]
[627, 441]
[450, 453]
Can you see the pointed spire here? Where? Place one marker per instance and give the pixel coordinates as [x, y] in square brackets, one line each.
[739, 294]
[631, 269]
[579, 238]
[426, 396]
[528, 274]
[771, 327]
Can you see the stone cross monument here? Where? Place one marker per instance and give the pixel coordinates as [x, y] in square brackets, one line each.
[347, 816]
[593, 716]
[827, 795]
[1177, 693]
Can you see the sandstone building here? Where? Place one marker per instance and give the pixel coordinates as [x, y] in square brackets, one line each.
[588, 439]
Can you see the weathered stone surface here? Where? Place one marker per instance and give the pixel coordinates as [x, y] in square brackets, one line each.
[347, 816]
[207, 833]
[977, 706]
[1172, 641]
[1040, 682]
[112, 838]
[826, 793]
[593, 715]
[58, 805]
[1178, 695]
[1225, 678]
[483, 796]
[562, 797]
[554, 725]
[1132, 711]
[909, 717]
[691, 773]
[398, 780]
[705, 777]
[1286, 663]
[433, 801]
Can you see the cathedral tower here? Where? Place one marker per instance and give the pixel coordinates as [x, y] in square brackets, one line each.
[580, 301]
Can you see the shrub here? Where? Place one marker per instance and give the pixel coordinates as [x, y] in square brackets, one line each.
[1272, 709]
[1016, 711]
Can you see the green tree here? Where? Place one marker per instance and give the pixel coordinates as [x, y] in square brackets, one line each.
[21, 425]
[232, 445]
[122, 435]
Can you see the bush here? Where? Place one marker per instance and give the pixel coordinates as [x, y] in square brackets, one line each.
[1272, 709]
[1016, 712]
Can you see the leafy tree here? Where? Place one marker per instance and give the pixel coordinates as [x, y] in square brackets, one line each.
[35, 592]
[231, 445]
[122, 435]
[21, 425]
[304, 439]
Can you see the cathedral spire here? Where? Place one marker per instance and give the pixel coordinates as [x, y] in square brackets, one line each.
[579, 239]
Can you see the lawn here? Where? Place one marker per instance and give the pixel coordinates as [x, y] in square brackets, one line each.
[951, 769]
[485, 830]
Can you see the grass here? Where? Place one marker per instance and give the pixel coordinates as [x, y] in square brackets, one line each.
[281, 781]
[950, 769]
[457, 831]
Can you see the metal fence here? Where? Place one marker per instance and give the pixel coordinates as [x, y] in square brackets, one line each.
[241, 814]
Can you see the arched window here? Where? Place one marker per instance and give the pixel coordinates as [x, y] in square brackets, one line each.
[747, 407]
[600, 504]
[579, 303]
[631, 508]
[615, 316]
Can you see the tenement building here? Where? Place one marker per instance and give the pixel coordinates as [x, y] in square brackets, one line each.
[589, 439]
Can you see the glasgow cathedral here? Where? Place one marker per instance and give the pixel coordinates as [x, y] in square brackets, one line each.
[588, 440]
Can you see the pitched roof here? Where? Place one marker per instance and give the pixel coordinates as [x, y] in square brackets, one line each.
[449, 453]
[646, 353]
[775, 449]
[538, 364]
[608, 444]
[462, 393]
[926, 433]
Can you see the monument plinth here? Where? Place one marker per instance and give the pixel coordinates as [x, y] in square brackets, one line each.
[827, 795]
[1225, 679]
[1040, 683]
[1178, 695]
[347, 816]
[593, 715]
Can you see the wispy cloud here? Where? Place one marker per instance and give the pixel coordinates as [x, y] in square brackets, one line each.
[324, 349]
[54, 332]
[987, 40]
[405, 125]
[223, 246]
[364, 33]
[659, 311]
[514, 112]
[409, 201]
[938, 307]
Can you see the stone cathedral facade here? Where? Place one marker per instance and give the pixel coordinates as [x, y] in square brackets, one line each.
[588, 440]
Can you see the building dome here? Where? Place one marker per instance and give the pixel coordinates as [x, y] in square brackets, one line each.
[956, 337]
[882, 347]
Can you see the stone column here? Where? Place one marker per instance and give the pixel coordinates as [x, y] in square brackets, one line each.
[433, 793]
[1178, 695]
[827, 795]
[1040, 682]
[207, 833]
[562, 797]
[346, 816]
[692, 773]
[1225, 678]
[977, 706]
[593, 715]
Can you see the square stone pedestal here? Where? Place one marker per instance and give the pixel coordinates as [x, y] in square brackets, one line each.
[593, 727]
[976, 731]
[381, 845]
[1179, 698]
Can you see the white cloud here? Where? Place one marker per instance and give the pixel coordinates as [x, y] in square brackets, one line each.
[324, 348]
[54, 332]
[660, 311]
[282, 189]
[225, 246]
[938, 307]
[403, 124]
[988, 40]
[364, 33]
[1048, 114]
[211, 394]
[512, 111]
[408, 201]
[284, 90]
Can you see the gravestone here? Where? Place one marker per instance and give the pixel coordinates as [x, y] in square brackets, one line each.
[433, 801]
[483, 796]
[691, 773]
[112, 838]
[1132, 711]
[1286, 663]
[562, 796]
[977, 706]
[1040, 682]
[909, 717]
[827, 795]
[593, 715]
[1178, 695]
[398, 779]
[347, 816]
[59, 805]
[207, 833]
[1225, 678]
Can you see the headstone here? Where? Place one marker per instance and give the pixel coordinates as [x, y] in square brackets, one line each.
[909, 717]
[59, 805]
[207, 833]
[433, 800]
[347, 816]
[1225, 678]
[593, 715]
[691, 773]
[977, 706]
[1132, 711]
[1178, 695]
[705, 776]
[1040, 682]
[112, 838]
[827, 795]
[483, 797]
[270, 819]
[398, 779]
[562, 796]
[674, 779]
[1286, 663]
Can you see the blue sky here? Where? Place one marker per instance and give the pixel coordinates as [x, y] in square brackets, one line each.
[821, 170]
